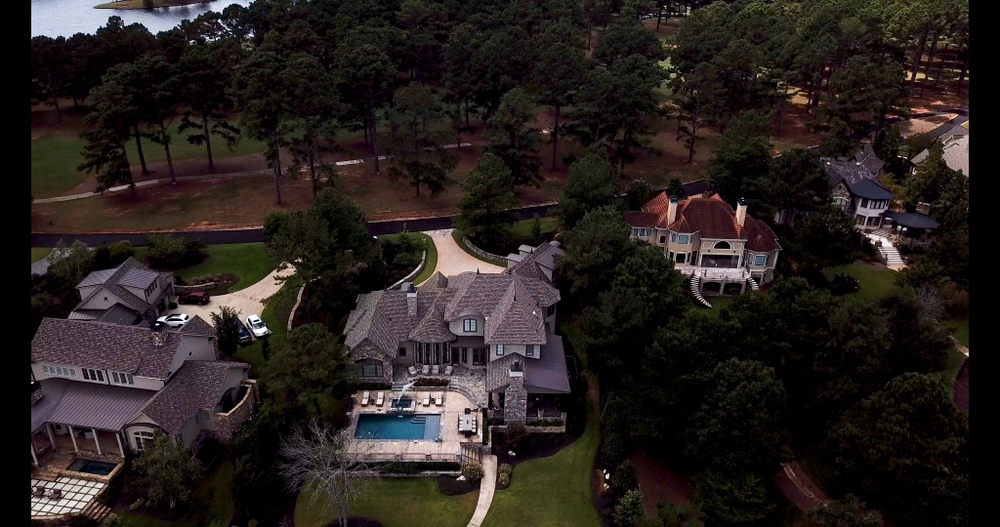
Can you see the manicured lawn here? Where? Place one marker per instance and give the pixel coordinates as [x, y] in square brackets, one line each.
[523, 227]
[961, 330]
[249, 261]
[399, 502]
[718, 303]
[875, 280]
[554, 490]
[211, 502]
[955, 360]
[37, 253]
[966, 125]
[431, 258]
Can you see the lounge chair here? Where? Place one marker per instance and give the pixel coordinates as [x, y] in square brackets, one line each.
[426, 370]
[54, 494]
[427, 398]
[448, 369]
[380, 399]
[364, 398]
[412, 370]
[37, 491]
[438, 398]
[435, 369]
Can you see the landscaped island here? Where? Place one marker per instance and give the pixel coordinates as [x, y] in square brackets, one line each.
[147, 4]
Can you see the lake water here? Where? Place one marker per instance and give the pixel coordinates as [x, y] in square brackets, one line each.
[65, 18]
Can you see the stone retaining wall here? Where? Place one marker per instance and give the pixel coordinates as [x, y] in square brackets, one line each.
[415, 272]
[495, 258]
[229, 422]
[189, 288]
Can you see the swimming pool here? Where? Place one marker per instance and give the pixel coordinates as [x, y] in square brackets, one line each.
[409, 426]
[92, 467]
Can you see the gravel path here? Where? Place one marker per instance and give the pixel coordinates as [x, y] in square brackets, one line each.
[452, 260]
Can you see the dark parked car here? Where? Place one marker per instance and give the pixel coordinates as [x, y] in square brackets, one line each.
[194, 297]
[244, 333]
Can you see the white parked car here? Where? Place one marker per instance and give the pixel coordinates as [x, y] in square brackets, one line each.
[257, 326]
[176, 320]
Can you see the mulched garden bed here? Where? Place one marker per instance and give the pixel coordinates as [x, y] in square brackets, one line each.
[531, 446]
[450, 486]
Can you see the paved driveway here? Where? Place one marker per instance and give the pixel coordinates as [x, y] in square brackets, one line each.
[247, 301]
[453, 260]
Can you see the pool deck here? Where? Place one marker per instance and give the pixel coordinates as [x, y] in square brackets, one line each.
[448, 449]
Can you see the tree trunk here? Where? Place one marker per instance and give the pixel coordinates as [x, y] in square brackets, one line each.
[965, 69]
[930, 60]
[170, 164]
[659, 15]
[367, 143]
[467, 125]
[312, 168]
[590, 33]
[208, 143]
[937, 76]
[55, 101]
[781, 110]
[276, 164]
[555, 139]
[374, 135]
[138, 146]
[916, 59]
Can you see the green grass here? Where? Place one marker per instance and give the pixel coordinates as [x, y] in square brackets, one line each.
[955, 360]
[875, 281]
[554, 490]
[520, 229]
[37, 253]
[398, 502]
[966, 125]
[249, 261]
[55, 156]
[663, 93]
[432, 255]
[718, 303]
[961, 333]
[211, 502]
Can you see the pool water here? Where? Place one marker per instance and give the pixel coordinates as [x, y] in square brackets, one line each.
[92, 467]
[410, 426]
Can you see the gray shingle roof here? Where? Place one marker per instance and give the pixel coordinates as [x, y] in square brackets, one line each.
[198, 385]
[545, 374]
[97, 277]
[195, 326]
[129, 349]
[866, 155]
[870, 189]
[850, 171]
[913, 220]
[138, 278]
[515, 320]
[543, 256]
[131, 271]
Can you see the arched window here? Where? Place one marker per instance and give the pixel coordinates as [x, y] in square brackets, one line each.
[721, 246]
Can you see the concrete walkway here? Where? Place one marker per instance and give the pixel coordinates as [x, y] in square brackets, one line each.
[486, 490]
[892, 257]
[453, 260]
[246, 302]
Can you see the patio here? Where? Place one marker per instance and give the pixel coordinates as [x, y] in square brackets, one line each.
[469, 381]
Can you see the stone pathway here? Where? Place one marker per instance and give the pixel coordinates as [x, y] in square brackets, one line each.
[486, 490]
[893, 260]
[453, 260]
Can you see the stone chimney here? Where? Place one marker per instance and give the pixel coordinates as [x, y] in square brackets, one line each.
[411, 303]
[159, 336]
[741, 211]
[515, 409]
[672, 210]
[924, 208]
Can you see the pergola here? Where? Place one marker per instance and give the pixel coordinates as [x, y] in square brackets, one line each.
[914, 226]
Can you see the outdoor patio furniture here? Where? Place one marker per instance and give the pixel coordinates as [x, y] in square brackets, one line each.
[426, 369]
[427, 398]
[380, 399]
[412, 370]
[438, 398]
[54, 494]
[364, 398]
[448, 369]
[468, 411]
[37, 491]
[435, 369]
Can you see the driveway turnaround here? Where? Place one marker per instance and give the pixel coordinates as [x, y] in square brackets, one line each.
[453, 260]
[246, 302]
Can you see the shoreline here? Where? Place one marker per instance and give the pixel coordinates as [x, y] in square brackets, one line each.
[156, 4]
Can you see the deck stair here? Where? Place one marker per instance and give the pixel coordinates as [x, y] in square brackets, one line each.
[882, 233]
[754, 288]
[96, 510]
[696, 290]
[891, 255]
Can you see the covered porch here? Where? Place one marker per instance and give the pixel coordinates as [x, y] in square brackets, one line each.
[912, 228]
[103, 444]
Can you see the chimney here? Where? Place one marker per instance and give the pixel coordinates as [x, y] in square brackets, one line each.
[672, 210]
[411, 304]
[741, 211]
[159, 337]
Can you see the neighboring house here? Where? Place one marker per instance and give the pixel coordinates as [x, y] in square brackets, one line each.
[498, 327]
[956, 151]
[722, 248]
[854, 187]
[128, 294]
[106, 388]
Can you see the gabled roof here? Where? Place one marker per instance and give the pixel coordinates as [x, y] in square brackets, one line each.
[540, 263]
[545, 374]
[516, 318]
[913, 220]
[869, 189]
[850, 171]
[87, 405]
[97, 277]
[196, 326]
[198, 385]
[138, 278]
[867, 157]
[92, 344]
[130, 272]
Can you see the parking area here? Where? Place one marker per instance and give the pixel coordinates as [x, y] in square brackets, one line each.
[246, 302]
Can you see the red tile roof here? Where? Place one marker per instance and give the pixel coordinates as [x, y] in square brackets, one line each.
[712, 217]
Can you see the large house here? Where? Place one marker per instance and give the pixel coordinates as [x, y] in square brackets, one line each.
[854, 186]
[128, 294]
[496, 327]
[721, 249]
[103, 388]
[956, 150]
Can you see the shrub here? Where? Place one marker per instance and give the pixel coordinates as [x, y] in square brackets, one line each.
[503, 475]
[472, 471]
[843, 284]
[136, 504]
[450, 486]
[624, 479]
[429, 381]
[171, 252]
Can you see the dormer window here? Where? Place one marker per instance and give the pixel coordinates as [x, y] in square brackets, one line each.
[469, 325]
